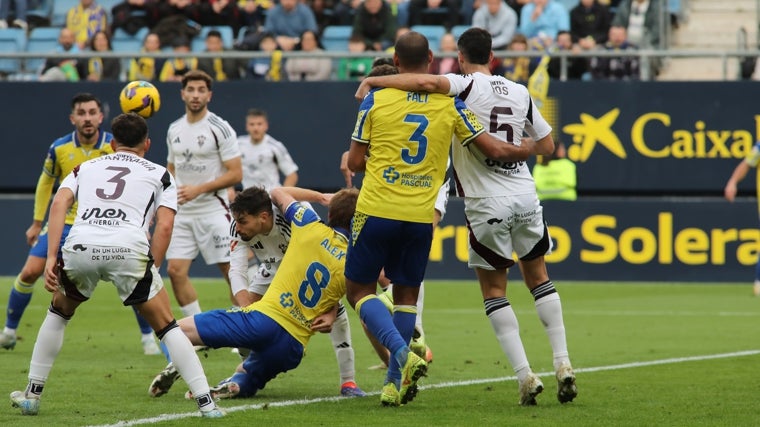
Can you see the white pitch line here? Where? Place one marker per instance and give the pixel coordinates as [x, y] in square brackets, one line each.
[283, 403]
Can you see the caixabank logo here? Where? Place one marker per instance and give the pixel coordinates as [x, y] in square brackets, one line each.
[654, 135]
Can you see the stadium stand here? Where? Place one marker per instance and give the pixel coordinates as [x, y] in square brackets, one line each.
[457, 30]
[433, 34]
[60, 9]
[228, 37]
[12, 40]
[122, 41]
[41, 40]
[335, 37]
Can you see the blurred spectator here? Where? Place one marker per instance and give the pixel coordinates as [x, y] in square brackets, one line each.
[517, 69]
[612, 68]
[589, 23]
[400, 31]
[220, 69]
[543, 18]
[354, 68]
[400, 9]
[555, 176]
[576, 67]
[309, 69]
[288, 20]
[102, 69]
[497, 18]
[20, 14]
[376, 23]
[434, 12]
[323, 13]
[63, 69]
[641, 19]
[253, 12]
[160, 10]
[147, 68]
[85, 19]
[175, 68]
[220, 13]
[130, 16]
[345, 11]
[441, 65]
[176, 27]
[270, 68]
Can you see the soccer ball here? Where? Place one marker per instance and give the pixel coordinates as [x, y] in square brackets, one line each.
[140, 97]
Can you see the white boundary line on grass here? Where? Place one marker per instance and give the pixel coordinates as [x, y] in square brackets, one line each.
[170, 417]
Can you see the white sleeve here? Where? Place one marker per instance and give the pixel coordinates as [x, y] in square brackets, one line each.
[535, 125]
[70, 181]
[238, 265]
[229, 148]
[168, 197]
[457, 83]
[284, 160]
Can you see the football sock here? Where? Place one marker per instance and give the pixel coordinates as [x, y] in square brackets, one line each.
[420, 304]
[189, 366]
[403, 318]
[145, 328]
[247, 383]
[549, 308]
[379, 322]
[46, 348]
[191, 309]
[341, 341]
[21, 294]
[507, 330]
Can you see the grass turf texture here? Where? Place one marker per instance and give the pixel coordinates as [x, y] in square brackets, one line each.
[101, 376]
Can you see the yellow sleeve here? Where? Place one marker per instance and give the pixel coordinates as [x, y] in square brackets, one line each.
[42, 196]
[167, 71]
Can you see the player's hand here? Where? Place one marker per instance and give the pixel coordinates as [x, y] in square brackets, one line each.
[347, 174]
[730, 192]
[363, 89]
[325, 199]
[323, 323]
[32, 233]
[51, 275]
[186, 193]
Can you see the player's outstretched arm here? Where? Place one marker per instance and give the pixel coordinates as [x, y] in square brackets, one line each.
[357, 156]
[497, 149]
[544, 146]
[281, 198]
[739, 173]
[306, 195]
[405, 81]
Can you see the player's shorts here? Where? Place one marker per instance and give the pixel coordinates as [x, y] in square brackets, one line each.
[260, 277]
[500, 226]
[209, 235]
[443, 199]
[40, 247]
[134, 274]
[274, 350]
[401, 247]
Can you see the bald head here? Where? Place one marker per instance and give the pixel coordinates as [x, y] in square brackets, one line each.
[412, 53]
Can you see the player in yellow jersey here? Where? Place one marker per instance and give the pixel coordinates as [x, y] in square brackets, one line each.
[86, 142]
[410, 134]
[301, 300]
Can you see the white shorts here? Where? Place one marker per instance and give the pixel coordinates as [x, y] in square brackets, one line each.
[209, 235]
[88, 264]
[443, 199]
[500, 226]
[261, 276]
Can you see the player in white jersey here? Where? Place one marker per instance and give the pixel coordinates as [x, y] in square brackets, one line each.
[118, 196]
[264, 158]
[501, 205]
[204, 158]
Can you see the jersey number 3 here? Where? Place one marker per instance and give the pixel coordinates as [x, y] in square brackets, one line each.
[418, 136]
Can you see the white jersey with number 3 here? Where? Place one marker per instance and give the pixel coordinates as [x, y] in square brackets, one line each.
[506, 110]
[118, 195]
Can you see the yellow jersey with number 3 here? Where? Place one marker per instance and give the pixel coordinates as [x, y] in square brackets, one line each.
[409, 136]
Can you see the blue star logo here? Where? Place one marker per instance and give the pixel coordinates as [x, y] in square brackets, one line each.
[391, 175]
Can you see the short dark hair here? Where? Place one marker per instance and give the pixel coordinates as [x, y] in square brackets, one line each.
[129, 130]
[383, 70]
[213, 33]
[257, 112]
[252, 201]
[341, 209]
[383, 60]
[83, 97]
[475, 45]
[195, 75]
[412, 50]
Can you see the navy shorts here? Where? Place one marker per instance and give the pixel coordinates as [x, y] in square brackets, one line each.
[401, 247]
[40, 248]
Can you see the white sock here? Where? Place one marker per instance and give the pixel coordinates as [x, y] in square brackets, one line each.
[189, 366]
[46, 348]
[147, 337]
[341, 341]
[420, 303]
[549, 310]
[10, 332]
[505, 325]
[191, 309]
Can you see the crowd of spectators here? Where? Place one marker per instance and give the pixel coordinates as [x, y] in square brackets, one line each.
[278, 26]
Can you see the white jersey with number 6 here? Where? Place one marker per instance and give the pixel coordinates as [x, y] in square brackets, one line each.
[506, 110]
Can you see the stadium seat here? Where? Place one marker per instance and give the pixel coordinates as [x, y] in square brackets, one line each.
[335, 37]
[228, 37]
[457, 30]
[569, 4]
[122, 41]
[433, 34]
[60, 9]
[41, 40]
[41, 9]
[12, 40]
